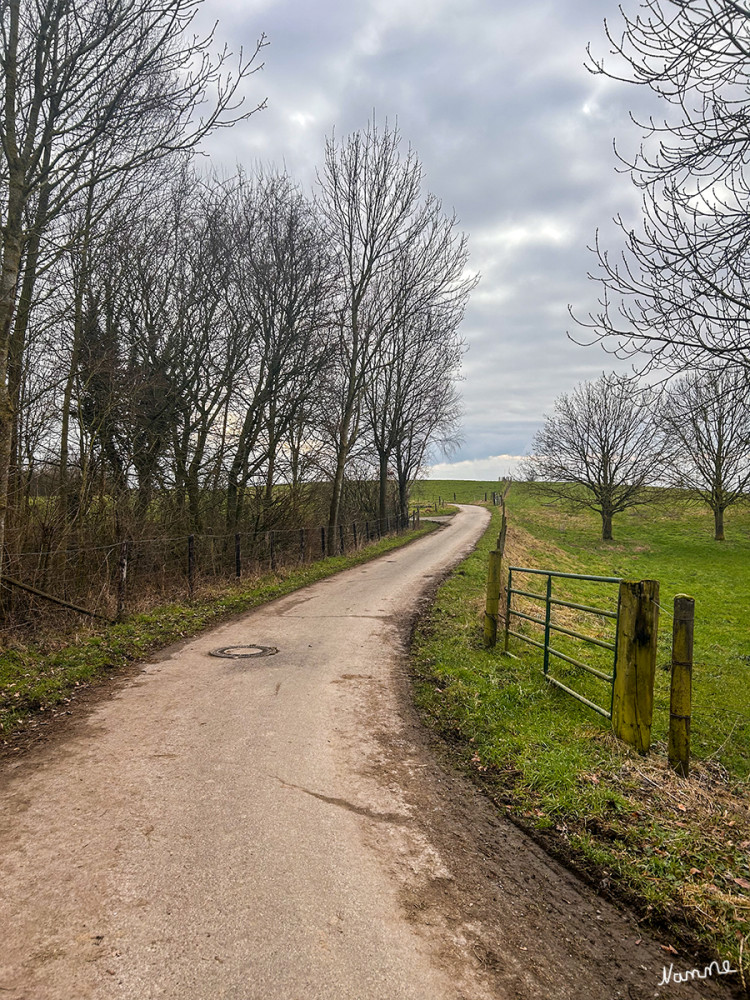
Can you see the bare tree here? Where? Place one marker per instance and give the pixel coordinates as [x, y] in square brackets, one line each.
[412, 401]
[282, 281]
[397, 255]
[679, 289]
[706, 421]
[599, 450]
[91, 88]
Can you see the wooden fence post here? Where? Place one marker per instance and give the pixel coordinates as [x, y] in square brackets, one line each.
[237, 556]
[354, 533]
[633, 696]
[302, 544]
[323, 540]
[191, 564]
[682, 684]
[122, 579]
[493, 598]
[341, 536]
[272, 542]
[503, 534]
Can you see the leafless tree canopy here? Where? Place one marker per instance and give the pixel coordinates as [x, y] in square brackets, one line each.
[599, 449]
[679, 287]
[705, 417]
[401, 261]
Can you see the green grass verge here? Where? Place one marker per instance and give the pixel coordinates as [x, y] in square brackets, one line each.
[677, 849]
[34, 680]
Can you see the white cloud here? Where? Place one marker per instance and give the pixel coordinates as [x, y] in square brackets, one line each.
[481, 469]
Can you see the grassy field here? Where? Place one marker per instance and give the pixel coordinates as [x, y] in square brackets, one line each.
[676, 849]
[43, 676]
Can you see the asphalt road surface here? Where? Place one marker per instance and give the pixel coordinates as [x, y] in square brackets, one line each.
[278, 828]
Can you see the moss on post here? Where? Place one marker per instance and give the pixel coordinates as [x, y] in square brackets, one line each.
[633, 699]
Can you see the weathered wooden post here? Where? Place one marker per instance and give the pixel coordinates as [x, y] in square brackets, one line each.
[633, 696]
[354, 533]
[367, 532]
[493, 598]
[272, 542]
[680, 701]
[502, 536]
[122, 579]
[301, 544]
[341, 536]
[237, 556]
[191, 564]
[323, 541]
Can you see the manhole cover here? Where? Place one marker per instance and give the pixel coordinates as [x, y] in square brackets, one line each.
[243, 652]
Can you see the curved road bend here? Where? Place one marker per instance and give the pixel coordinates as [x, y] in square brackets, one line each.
[277, 829]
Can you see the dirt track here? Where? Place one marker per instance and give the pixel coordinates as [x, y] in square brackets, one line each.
[277, 828]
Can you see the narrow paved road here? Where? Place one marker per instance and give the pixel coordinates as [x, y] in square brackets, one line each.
[277, 828]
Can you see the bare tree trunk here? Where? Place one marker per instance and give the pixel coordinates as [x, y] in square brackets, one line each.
[383, 486]
[334, 512]
[718, 524]
[11, 267]
[606, 526]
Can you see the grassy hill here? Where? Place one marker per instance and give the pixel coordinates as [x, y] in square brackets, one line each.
[677, 849]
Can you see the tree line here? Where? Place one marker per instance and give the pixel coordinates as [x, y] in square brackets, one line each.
[612, 444]
[175, 344]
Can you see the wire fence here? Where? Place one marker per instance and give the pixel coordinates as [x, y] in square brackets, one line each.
[134, 573]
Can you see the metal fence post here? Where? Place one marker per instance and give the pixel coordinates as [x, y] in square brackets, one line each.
[191, 564]
[547, 623]
[680, 701]
[122, 579]
[507, 610]
[633, 690]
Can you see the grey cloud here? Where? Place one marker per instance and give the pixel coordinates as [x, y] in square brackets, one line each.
[513, 133]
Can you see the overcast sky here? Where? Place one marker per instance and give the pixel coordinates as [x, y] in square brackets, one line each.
[514, 134]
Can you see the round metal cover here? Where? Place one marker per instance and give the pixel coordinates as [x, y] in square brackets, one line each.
[244, 652]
